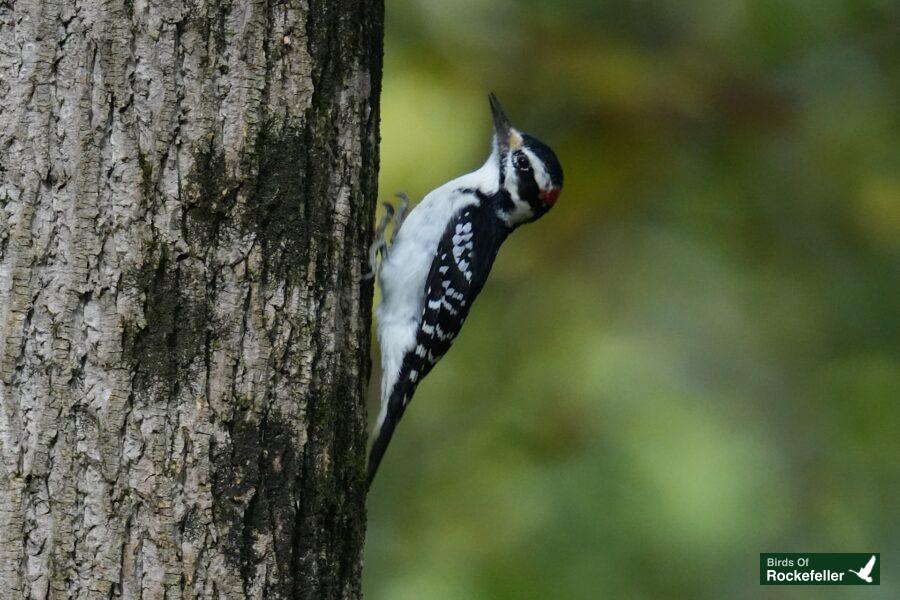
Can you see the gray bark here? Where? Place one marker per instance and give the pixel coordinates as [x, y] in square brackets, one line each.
[186, 193]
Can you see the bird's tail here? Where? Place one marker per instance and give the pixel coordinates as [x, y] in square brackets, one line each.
[395, 409]
[379, 447]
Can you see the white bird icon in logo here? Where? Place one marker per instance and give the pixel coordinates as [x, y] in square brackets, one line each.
[866, 572]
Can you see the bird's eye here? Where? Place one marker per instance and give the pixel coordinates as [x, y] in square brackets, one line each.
[521, 163]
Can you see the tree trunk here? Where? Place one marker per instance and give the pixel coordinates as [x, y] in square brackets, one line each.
[186, 196]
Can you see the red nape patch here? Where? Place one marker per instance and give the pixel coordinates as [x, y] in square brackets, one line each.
[549, 196]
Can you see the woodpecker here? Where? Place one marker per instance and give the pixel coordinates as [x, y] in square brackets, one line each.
[440, 256]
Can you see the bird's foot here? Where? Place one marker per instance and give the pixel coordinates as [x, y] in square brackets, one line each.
[394, 217]
[379, 244]
[400, 215]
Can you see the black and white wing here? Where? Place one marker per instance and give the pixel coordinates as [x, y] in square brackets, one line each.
[459, 270]
[454, 282]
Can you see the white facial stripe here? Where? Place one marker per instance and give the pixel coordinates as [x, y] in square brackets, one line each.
[541, 177]
[521, 210]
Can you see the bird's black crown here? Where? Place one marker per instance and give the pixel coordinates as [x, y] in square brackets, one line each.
[547, 156]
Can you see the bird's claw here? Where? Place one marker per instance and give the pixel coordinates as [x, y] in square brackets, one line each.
[401, 214]
[379, 244]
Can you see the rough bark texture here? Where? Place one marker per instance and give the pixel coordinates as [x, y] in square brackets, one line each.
[186, 192]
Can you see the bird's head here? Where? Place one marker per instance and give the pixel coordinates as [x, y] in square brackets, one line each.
[528, 171]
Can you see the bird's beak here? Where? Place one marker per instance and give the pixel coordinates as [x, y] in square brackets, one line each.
[506, 136]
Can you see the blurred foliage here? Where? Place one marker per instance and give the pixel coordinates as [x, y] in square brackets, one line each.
[695, 357]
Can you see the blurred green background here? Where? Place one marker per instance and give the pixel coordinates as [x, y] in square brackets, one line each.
[695, 357]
